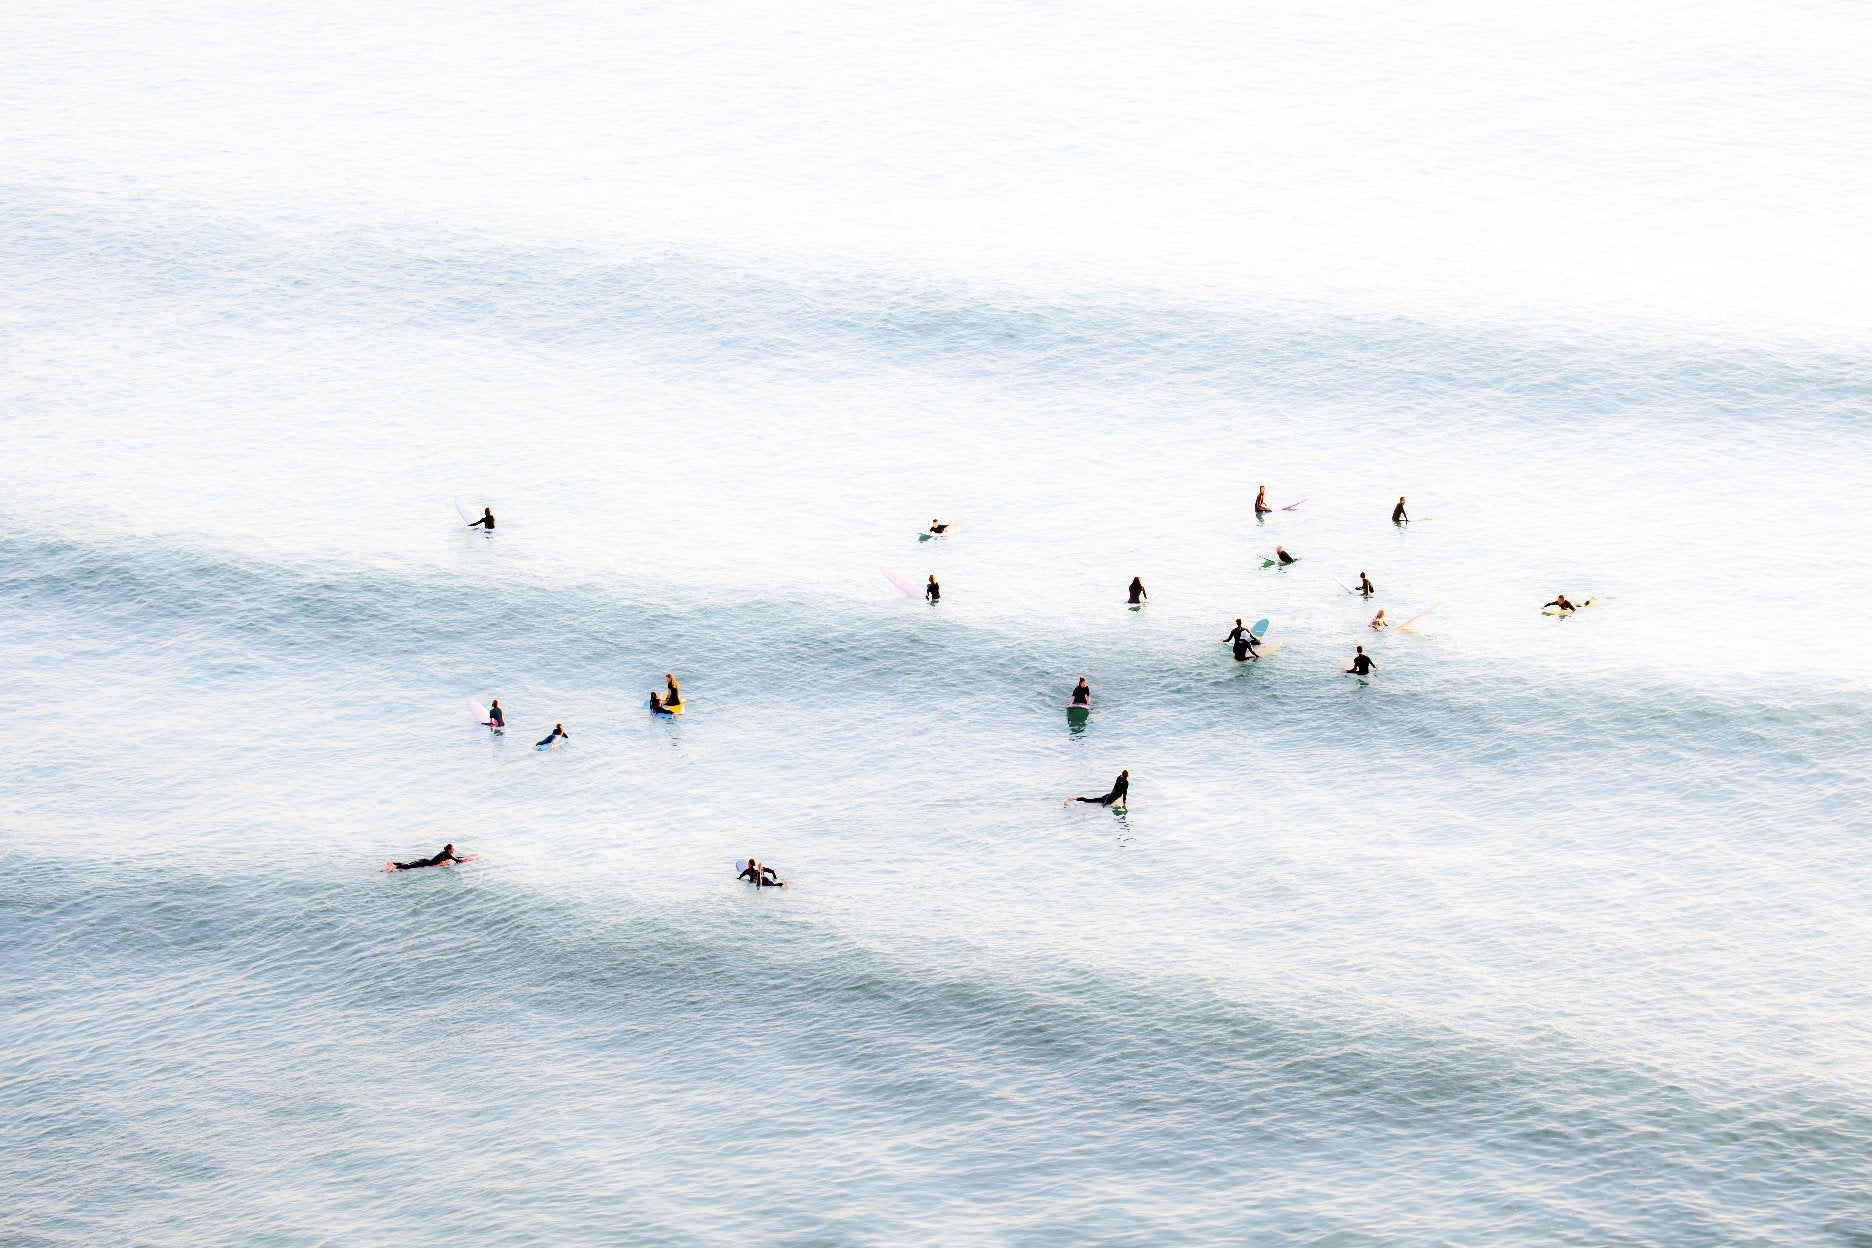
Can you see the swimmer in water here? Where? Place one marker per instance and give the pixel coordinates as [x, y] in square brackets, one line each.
[1282, 557]
[1379, 623]
[1365, 586]
[487, 519]
[938, 527]
[1397, 512]
[556, 734]
[1121, 788]
[933, 591]
[1362, 665]
[1136, 590]
[497, 718]
[442, 859]
[1560, 600]
[1082, 694]
[674, 698]
[760, 876]
[1261, 503]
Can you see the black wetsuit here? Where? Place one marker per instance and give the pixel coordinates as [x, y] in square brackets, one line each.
[497, 718]
[1245, 646]
[1082, 696]
[551, 736]
[1120, 790]
[1365, 588]
[1286, 558]
[436, 861]
[1398, 516]
[1362, 665]
[765, 877]
[1137, 594]
[1563, 604]
[1235, 635]
[933, 592]
[675, 697]
[939, 528]
[484, 520]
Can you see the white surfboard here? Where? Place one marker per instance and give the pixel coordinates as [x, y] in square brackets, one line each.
[910, 588]
[481, 716]
[462, 510]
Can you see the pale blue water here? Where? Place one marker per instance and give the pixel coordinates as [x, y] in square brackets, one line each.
[1553, 933]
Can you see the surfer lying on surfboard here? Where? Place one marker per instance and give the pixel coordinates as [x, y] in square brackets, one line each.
[443, 859]
[761, 876]
[1121, 788]
[1283, 558]
[553, 737]
[1560, 600]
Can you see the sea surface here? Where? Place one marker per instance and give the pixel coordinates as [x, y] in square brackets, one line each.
[1554, 932]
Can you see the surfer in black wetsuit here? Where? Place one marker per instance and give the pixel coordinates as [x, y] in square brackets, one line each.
[497, 718]
[1362, 665]
[933, 591]
[1245, 647]
[1397, 512]
[657, 705]
[1136, 590]
[938, 527]
[1281, 555]
[1261, 503]
[487, 519]
[1082, 694]
[557, 733]
[1560, 600]
[674, 697]
[760, 876]
[442, 859]
[1365, 586]
[1121, 788]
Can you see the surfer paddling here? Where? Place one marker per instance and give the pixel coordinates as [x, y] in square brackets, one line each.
[443, 859]
[1560, 601]
[554, 737]
[486, 521]
[1362, 665]
[1121, 788]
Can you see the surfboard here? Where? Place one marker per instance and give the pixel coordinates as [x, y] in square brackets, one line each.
[1342, 585]
[1276, 563]
[1398, 628]
[1575, 611]
[667, 710]
[1258, 629]
[1077, 713]
[1291, 506]
[909, 588]
[461, 509]
[1270, 648]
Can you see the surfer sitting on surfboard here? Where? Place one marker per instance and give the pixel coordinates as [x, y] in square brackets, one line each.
[657, 705]
[487, 519]
[1136, 591]
[933, 591]
[1365, 586]
[1121, 788]
[762, 877]
[938, 527]
[1282, 557]
[556, 734]
[1397, 512]
[497, 718]
[1362, 665]
[1261, 503]
[674, 698]
[1560, 600]
[1378, 622]
[1082, 694]
[442, 859]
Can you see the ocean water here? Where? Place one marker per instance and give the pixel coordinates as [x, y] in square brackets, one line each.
[1553, 933]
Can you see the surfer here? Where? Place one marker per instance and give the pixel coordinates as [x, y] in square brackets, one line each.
[1560, 600]
[1138, 596]
[497, 718]
[1245, 647]
[1365, 586]
[933, 591]
[1397, 512]
[761, 876]
[1261, 503]
[1234, 634]
[487, 519]
[1082, 694]
[557, 733]
[1121, 788]
[674, 698]
[938, 527]
[1282, 557]
[1362, 665]
[657, 705]
[442, 859]
[1378, 622]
